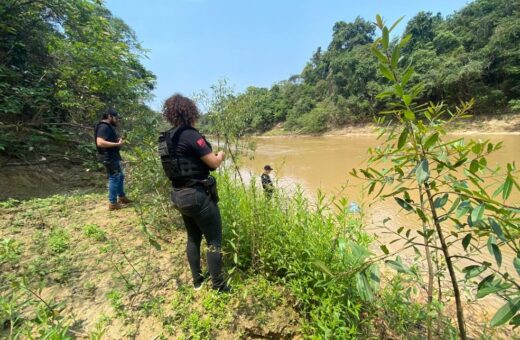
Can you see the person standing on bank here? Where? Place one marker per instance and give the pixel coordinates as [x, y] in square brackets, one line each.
[187, 159]
[108, 144]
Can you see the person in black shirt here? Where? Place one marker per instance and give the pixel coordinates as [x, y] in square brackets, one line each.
[267, 184]
[108, 144]
[188, 162]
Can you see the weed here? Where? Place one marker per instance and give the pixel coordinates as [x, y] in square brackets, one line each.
[93, 231]
[100, 328]
[10, 203]
[115, 299]
[10, 251]
[58, 241]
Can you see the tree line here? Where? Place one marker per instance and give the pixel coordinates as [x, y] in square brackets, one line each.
[473, 53]
[61, 63]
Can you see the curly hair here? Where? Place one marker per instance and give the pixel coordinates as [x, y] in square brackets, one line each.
[180, 110]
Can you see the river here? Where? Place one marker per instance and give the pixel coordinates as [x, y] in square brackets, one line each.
[325, 163]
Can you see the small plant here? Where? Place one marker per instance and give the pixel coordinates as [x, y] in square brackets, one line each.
[10, 251]
[58, 241]
[93, 231]
[115, 299]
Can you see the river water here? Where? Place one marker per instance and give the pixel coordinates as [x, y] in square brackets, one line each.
[325, 163]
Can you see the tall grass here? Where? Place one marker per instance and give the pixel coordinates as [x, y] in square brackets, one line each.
[319, 253]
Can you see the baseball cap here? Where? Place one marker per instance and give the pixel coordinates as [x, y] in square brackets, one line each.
[112, 112]
[268, 167]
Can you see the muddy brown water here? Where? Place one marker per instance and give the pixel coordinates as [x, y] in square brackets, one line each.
[325, 163]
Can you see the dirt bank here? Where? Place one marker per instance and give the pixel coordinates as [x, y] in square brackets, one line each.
[499, 125]
[21, 180]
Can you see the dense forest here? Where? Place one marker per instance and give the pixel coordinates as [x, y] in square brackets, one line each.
[473, 53]
[61, 63]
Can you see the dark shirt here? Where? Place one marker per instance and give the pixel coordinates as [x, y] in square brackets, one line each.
[193, 145]
[267, 184]
[108, 133]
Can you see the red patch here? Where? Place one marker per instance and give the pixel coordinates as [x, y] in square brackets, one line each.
[201, 142]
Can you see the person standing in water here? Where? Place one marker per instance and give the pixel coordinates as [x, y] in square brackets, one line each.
[267, 183]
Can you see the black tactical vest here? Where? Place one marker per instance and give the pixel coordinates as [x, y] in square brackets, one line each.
[180, 169]
[104, 154]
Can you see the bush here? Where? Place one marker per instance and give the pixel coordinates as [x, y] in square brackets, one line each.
[318, 253]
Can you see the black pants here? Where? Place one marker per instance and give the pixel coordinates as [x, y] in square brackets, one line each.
[201, 216]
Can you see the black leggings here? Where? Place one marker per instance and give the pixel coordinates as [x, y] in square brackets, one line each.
[201, 216]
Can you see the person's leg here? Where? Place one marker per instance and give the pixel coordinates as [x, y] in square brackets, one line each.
[121, 184]
[209, 222]
[193, 248]
[113, 183]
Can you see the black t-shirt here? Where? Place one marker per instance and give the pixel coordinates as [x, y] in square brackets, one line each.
[108, 133]
[192, 144]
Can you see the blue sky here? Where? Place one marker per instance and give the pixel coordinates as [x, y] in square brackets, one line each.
[194, 43]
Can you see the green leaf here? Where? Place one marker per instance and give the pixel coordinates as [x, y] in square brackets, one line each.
[385, 38]
[477, 213]
[379, 21]
[466, 241]
[473, 270]
[496, 229]
[385, 71]
[515, 322]
[398, 265]
[508, 185]
[441, 201]
[323, 267]
[406, 76]
[379, 55]
[506, 312]
[395, 57]
[409, 115]
[490, 287]
[407, 99]
[422, 172]
[395, 24]
[402, 138]
[474, 166]
[405, 40]
[403, 204]
[516, 264]
[497, 253]
[431, 140]
[384, 249]
[491, 240]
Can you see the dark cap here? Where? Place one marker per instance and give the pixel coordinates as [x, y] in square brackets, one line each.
[111, 112]
[268, 167]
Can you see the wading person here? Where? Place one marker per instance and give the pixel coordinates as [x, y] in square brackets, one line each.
[108, 144]
[267, 183]
[187, 159]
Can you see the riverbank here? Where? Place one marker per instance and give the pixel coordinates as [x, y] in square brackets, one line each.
[71, 268]
[507, 124]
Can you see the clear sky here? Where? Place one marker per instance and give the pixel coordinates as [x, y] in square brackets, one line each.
[194, 43]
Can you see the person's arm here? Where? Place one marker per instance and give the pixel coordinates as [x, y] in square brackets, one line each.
[102, 143]
[212, 160]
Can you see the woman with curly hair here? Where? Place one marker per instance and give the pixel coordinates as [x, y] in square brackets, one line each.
[187, 159]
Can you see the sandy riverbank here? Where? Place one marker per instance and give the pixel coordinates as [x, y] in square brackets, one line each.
[493, 125]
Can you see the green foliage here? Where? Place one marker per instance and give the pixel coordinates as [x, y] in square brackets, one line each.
[473, 53]
[95, 232]
[446, 183]
[61, 63]
[320, 254]
[59, 241]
